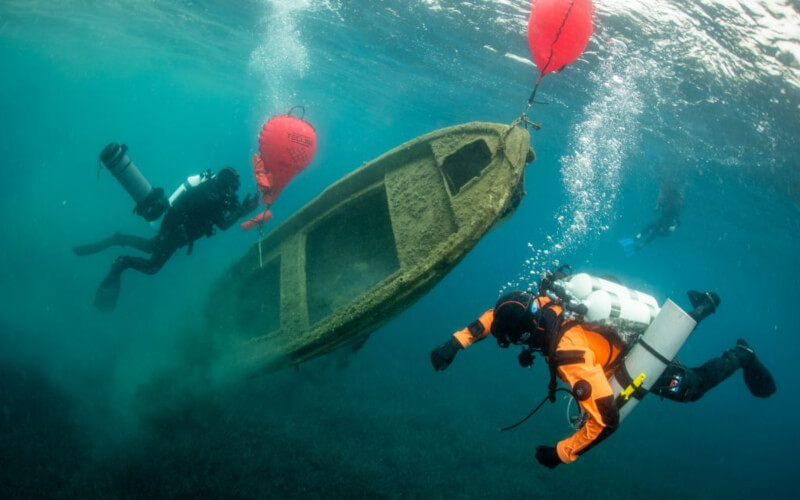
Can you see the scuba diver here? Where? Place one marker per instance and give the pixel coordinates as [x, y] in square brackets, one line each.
[587, 357]
[192, 212]
[671, 194]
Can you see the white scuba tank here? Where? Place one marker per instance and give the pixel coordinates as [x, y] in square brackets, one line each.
[650, 355]
[582, 284]
[601, 305]
[603, 300]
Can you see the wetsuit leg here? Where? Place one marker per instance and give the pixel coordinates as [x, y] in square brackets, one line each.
[117, 239]
[137, 242]
[161, 250]
[645, 236]
[683, 384]
[654, 231]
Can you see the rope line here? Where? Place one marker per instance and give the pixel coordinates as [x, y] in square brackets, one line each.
[550, 57]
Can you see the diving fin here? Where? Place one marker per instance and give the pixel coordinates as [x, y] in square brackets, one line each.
[756, 376]
[705, 304]
[108, 292]
[704, 299]
[628, 246]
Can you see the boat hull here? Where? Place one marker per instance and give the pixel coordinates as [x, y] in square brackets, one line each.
[369, 246]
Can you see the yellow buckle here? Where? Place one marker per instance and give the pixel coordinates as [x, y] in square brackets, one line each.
[637, 382]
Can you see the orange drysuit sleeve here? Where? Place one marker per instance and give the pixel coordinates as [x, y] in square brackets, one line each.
[477, 330]
[579, 367]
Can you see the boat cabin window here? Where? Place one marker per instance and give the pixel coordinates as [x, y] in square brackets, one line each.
[465, 164]
[349, 252]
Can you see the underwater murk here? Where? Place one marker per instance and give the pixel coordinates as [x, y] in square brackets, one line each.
[699, 96]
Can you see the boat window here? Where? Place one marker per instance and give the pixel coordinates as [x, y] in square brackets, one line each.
[348, 253]
[260, 300]
[465, 164]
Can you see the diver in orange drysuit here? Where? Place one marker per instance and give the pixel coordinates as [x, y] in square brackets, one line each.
[585, 359]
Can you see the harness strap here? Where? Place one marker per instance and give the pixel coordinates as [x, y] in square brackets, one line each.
[560, 327]
[655, 353]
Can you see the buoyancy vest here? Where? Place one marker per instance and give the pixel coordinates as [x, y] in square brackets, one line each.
[194, 210]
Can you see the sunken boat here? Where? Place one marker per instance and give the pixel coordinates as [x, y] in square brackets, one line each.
[369, 246]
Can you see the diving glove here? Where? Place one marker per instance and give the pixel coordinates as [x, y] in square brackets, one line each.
[442, 356]
[249, 204]
[548, 456]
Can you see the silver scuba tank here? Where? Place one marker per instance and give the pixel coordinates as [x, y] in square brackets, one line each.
[150, 202]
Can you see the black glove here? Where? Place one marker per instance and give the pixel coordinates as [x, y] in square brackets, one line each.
[442, 356]
[548, 456]
[249, 204]
[525, 358]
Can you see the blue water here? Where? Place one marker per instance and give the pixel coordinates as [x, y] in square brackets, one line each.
[106, 405]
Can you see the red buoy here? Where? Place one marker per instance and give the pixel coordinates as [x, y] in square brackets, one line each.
[286, 145]
[558, 31]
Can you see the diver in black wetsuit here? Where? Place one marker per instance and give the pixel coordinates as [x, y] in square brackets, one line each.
[192, 216]
[670, 203]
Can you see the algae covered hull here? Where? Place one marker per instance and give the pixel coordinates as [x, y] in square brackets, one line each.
[370, 245]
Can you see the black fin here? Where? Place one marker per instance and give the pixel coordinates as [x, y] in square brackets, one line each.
[708, 299]
[108, 292]
[756, 376]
